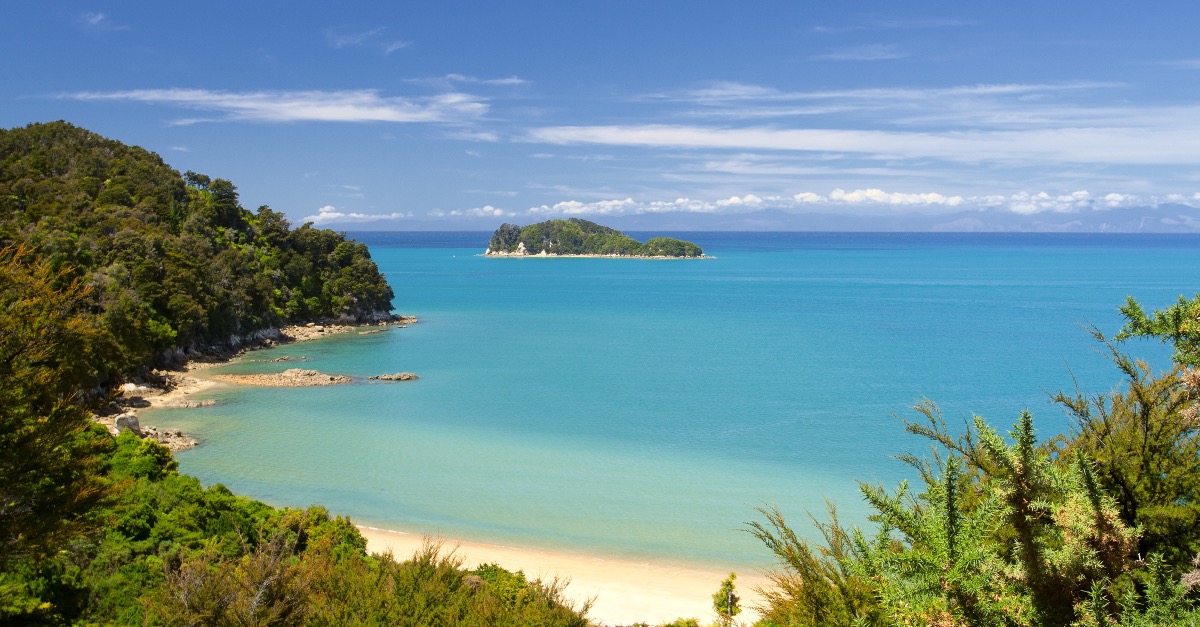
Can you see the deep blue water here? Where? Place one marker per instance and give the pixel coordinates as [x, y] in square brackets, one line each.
[642, 408]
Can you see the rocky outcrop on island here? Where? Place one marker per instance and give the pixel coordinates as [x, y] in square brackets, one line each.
[290, 378]
[580, 238]
[399, 376]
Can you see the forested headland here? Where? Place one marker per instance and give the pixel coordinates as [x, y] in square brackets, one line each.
[576, 236]
[169, 260]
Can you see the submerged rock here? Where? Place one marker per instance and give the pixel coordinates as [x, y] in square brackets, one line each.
[397, 376]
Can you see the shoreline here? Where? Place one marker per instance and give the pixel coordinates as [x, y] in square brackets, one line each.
[172, 388]
[624, 591]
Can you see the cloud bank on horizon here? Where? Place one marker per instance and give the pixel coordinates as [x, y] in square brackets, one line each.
[435, 118]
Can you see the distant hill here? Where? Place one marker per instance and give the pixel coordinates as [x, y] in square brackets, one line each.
[581, 237]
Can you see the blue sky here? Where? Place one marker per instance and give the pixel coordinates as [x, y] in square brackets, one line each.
[462, 115]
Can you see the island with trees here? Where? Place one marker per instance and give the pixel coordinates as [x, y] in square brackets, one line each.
[577, 237]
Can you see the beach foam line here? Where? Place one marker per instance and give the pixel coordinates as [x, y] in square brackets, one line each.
[625, 592]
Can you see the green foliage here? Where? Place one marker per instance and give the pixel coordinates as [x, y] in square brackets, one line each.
[52, 352]
[174, 261]
[576, 236]
[1144, 440]
[1178, 324]
[815, 584]
[1004, 532]
[726, 601]
[930, 559]
[432, 589]
[175, 553]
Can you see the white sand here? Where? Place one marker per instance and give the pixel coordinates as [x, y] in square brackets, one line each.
[625, 592]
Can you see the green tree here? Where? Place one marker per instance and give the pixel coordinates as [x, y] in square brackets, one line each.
[814, 584]
[53, 350]
[1178, 324]
[727, 602]
[1145, 442]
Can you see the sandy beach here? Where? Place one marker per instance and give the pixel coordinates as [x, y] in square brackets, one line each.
[624, 592]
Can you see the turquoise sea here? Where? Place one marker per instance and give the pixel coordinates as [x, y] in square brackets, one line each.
[643, 408]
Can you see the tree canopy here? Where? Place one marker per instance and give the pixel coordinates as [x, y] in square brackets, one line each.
[577, 236]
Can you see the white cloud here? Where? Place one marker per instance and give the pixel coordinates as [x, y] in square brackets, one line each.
[878, 196]
[330, 214]
[486, 211]
[749, 200]
[809, 198]
[364, 105]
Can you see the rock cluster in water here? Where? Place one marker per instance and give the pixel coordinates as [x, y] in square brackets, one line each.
[290, 378]
[399, 376]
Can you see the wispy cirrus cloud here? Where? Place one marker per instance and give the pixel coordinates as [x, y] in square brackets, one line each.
[370, 38]
[1002, 105]
[364, 105]
[1156, 135]
[449, 80]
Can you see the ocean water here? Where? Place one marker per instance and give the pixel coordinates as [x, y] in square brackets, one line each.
[643, 408]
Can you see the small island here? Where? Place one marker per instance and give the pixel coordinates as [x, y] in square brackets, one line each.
[580, 238]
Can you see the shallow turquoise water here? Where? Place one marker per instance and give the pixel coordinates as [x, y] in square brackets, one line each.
[642, 408]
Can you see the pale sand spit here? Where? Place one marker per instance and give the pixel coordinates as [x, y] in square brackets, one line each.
[625, 592]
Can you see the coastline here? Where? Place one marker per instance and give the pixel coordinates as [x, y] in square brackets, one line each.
[623, 592]
[173, 388]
